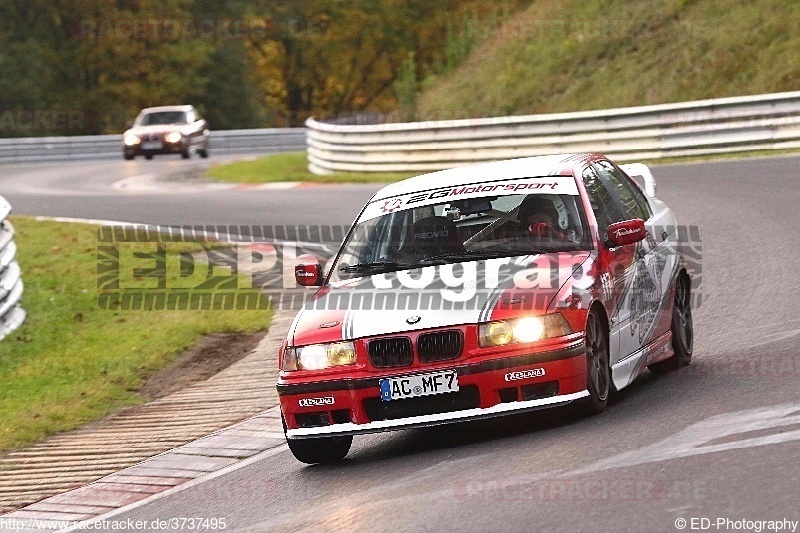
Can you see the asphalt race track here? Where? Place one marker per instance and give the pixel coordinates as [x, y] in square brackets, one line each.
[88, 190]
[719, 439]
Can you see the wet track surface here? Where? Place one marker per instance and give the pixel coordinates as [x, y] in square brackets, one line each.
[95, 190]
[720, 438]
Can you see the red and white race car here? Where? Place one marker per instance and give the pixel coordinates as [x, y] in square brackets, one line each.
[482, 291]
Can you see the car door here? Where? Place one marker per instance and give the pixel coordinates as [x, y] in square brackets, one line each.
[611, 202]
[661, 260]
[643, 291]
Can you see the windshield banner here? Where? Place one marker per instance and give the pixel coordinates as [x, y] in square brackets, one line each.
[541, 185]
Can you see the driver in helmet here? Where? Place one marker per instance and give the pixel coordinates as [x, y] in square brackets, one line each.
[545, 217]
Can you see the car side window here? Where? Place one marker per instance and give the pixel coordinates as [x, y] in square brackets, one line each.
[622, 191]
[606, 209]
[641, 199]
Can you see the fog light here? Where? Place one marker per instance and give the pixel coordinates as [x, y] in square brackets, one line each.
[524, 329]
[312, 357]
[495, 334]
[341, 354]
[319, 356]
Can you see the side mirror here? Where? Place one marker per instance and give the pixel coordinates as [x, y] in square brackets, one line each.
[626, 232]
[308, 274]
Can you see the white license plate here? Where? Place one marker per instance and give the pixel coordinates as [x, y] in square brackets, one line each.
[418, 385]
[152, 145]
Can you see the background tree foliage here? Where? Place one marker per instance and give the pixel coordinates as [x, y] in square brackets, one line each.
[289, 59]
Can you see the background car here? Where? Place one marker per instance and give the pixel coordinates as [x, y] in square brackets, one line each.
[166, 130]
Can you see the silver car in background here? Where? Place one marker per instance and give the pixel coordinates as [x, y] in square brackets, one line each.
[166, 130]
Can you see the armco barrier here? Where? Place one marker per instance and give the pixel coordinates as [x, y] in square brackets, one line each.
[11, 314]
[110, 146]
[724, 125]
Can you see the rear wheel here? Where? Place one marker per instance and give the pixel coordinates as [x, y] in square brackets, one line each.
[598, 373]
[148, 156]
[321, 450]
[682, 329]
[186, 154]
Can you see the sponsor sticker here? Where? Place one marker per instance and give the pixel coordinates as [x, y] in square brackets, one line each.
[525, 374]
[543, 185]
[314, 402]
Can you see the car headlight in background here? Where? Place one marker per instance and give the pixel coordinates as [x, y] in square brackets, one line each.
[131, 140]
[319, 356]
[174, 137]
[525, 329]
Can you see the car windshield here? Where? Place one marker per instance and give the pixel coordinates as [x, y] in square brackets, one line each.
[162, 117]
[452, 231]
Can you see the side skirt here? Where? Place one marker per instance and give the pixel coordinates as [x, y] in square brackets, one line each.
[624, 372]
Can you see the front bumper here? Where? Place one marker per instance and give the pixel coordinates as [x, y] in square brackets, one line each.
[349, 406]
[166, 148]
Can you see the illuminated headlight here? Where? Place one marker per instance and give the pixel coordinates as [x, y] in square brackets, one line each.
[174, 137]
[319, 356]
[525, 329]
[131, 140]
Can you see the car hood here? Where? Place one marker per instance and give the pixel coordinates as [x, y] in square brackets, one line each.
[158, 128]
[388, 303]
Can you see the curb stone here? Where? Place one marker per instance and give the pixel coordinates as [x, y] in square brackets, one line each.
[34, 478]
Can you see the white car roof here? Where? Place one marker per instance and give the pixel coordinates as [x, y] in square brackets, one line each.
[183, 108]
[527, 167]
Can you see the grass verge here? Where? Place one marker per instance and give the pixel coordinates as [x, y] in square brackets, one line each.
[72, 362]
[291, 166]
[572, 55]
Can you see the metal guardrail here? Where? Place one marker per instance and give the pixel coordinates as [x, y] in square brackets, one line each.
[110, 146]
[724, 125]
[11, 314]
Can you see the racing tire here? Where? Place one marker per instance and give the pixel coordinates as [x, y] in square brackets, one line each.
[598, 370]
[682, 329]
[323, 450]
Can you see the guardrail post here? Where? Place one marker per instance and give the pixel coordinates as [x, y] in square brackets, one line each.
[11, 314]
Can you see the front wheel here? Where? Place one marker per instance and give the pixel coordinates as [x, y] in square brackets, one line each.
[322, 450]
[682, 329]
[598, 373]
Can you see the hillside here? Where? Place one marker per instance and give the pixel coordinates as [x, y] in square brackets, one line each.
[570, 55]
